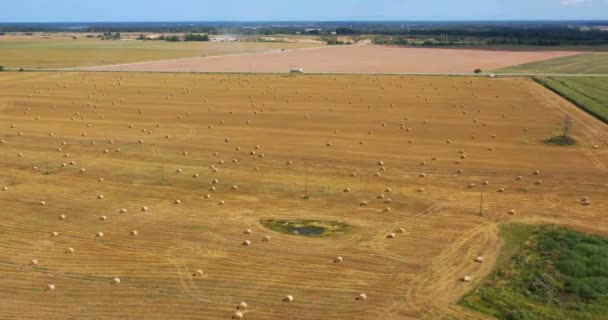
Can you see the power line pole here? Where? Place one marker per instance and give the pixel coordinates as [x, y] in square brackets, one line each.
[306, 185]
[481, 203]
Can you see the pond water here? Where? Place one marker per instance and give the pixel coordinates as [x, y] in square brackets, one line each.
[306, 230]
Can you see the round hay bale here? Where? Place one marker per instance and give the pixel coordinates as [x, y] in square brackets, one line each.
[391, 236]
[536, 173]
[5, 188]
[194, 176]
[116, 280]
[363, 204]
[212, 189]
[54, 234]
[420, 190]
[539, 182]
[387, 209]
[346, 190]
[198, 273]
[512, 212]
[423, 163]
[234, 187]
[266, 239]
[242, 306]
[34, 262]
[237, 315]
[388, 190]
[338, 260]
[448, 141]
[596, 147]
[422, 175]
[486, 183]
[583, 199]
[519, 178]
[185, 153]
[246, 243]
[221, 203]
[354, 174]
[100, 196]
[50, 287]
[471, 185]
[177, 201]
[361, 297]
[134, 233]
[123, 210]
[491, 149]
[288, 298]
[501, 190]
[62, 217]
[466, 279]
[99, 235]
[400, 230]
[382, 169]
[289, 163]
[70, 250]
[103, 218]
[207, 196]
[248, 231]
[586, 203]
[460, 171]
[479, 259]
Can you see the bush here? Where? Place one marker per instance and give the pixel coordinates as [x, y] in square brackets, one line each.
[1, 68]
[196, 37]
[478, 71]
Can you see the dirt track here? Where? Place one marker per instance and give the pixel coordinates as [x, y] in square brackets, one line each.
[350, 59]
[292, 118]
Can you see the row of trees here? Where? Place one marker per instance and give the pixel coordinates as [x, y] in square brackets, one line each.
[176, 38]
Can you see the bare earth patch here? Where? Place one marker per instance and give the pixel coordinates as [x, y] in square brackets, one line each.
[351, 59]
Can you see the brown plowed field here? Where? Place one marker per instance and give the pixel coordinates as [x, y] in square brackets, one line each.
[363, 119]
[350, 59]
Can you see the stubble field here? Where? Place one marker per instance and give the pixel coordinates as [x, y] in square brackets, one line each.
[406, 149]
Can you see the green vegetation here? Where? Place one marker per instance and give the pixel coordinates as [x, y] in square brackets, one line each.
[309, 228]
[561, 141]
[589, 93]
[589, 63]
[196, 37]
[1, 68]
[557, 274]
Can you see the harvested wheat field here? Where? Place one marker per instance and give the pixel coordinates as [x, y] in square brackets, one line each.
[184, 196]
[351, 59]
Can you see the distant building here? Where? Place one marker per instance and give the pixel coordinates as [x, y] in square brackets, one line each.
[296, 70]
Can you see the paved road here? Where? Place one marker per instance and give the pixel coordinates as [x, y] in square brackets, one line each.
[88, 69]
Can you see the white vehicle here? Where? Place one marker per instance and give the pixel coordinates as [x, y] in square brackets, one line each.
[300, 70]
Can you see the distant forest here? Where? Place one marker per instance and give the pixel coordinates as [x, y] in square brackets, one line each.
[430, 33]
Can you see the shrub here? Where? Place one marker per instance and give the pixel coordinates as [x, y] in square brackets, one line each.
[478, 71]
[1, 68]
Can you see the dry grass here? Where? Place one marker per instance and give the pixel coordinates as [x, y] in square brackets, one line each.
[417, 274]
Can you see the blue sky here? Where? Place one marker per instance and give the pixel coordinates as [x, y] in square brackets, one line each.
[260, 10]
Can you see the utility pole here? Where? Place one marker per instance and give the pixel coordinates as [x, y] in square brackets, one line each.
[46, 163]
[162, 172]
[567, 124]
[481, 203]
[306, 185]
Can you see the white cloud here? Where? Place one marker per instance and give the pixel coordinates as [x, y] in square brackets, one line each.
[572, 3]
